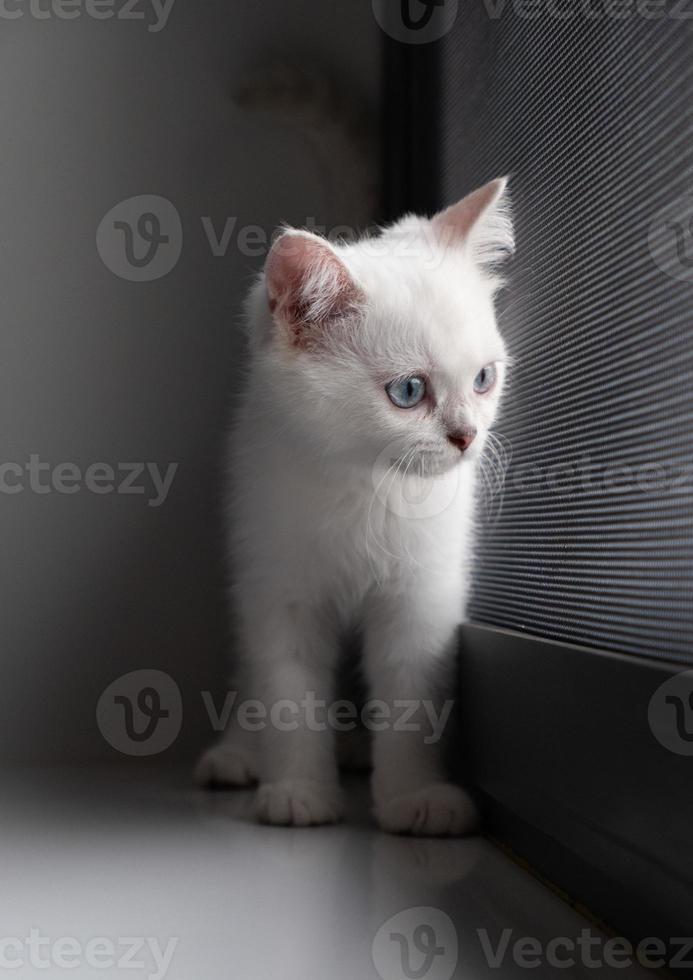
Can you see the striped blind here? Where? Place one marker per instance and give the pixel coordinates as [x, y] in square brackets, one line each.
[590, 539]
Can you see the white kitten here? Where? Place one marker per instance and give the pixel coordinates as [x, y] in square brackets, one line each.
[376, 370]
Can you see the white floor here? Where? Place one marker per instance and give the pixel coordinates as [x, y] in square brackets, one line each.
[105, 865]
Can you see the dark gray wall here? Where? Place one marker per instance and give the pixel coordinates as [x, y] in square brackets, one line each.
[96, 368]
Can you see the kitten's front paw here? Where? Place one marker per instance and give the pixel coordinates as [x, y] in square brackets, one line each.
[439, 810]
[224, 765]
[299, 803]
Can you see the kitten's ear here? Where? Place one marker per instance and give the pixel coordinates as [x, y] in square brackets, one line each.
[480, 220]
[308, 287]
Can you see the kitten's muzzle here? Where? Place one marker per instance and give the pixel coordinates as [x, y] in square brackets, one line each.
[462, 438]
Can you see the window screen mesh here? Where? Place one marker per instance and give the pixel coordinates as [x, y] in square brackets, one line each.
[591, 539]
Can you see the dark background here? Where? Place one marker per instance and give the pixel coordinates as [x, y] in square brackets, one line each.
[95, 368]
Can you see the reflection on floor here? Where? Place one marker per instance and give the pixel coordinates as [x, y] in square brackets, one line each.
[101, 867]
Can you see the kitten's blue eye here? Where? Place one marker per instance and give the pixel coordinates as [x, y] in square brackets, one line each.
[406, 392]
[485, 379]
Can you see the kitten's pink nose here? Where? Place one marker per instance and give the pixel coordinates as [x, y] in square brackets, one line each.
[463, 438]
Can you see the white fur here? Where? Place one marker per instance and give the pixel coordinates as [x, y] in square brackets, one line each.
[347, 511]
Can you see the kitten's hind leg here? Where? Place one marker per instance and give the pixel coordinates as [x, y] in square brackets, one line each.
[293, 661]
[231, 762]
[234, 760]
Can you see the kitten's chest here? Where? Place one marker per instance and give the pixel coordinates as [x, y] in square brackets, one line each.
[354, 536]
[316, 536]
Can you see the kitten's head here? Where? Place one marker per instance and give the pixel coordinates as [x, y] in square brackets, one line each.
[389, 345]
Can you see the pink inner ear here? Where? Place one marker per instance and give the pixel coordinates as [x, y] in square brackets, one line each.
[307, 286]
[454, 224]
[286, 266]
